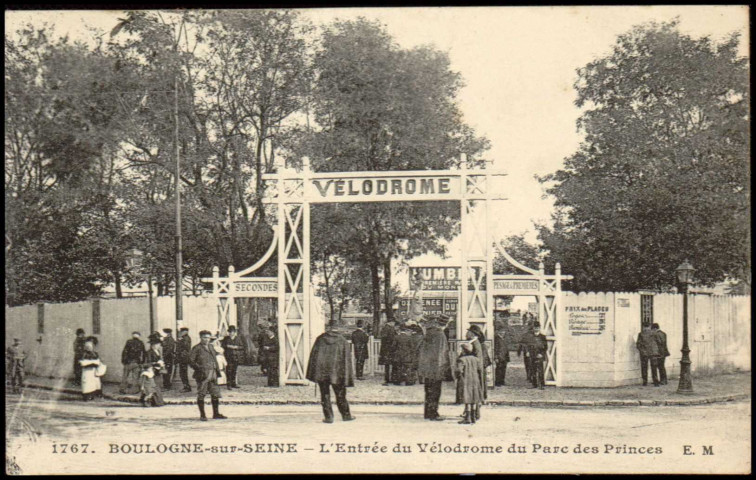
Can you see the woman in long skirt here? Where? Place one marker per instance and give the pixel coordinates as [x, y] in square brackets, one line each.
[91, 386]
[150, 380]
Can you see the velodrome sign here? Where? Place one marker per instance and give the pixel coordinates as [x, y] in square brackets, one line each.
[372, 189]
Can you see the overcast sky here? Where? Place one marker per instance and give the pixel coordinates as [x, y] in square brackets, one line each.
[518, 64]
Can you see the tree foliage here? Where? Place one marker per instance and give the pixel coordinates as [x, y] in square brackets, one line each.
[663, 173]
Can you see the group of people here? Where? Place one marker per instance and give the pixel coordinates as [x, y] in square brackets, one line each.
[413, 353]
[652, 346]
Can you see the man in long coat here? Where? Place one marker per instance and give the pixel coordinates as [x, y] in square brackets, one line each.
[405, 355]
[648, 347]
[203, 361]
[169, 357]
[661, 339]
[360, 341]
[433, 365]
[501, 353]
[233, 349]
[183, 349]
[388, 345]
[330, 366]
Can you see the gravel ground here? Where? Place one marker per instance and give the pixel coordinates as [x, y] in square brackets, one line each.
[371, 390]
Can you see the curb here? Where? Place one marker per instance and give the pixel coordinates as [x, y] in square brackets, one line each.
[493, 403]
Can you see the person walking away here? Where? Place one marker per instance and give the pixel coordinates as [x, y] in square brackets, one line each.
[269, 352]
[433, 365]
[537, 349]
[78, 348]
[330, 366]
[262, 333]
[417, 339]
[386, 353]
[183, 351]
[522, 349]
[169, 357]
[469, 378]
[233, 347]
[661, 340]
[132, 357]
[91, 385]
[155, 367]
[404, 357]
[648, 347]
[15, 357]
[221, 359]
[360, 341]
[501, 353]
[204, 362]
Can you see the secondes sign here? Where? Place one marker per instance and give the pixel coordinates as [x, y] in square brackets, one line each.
[362, 189]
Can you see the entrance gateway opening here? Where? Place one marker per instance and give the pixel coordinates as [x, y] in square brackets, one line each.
[293, 191]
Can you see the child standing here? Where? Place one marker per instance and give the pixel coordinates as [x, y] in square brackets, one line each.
[468, 378]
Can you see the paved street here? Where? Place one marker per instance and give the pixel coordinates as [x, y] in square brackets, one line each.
[40, 423]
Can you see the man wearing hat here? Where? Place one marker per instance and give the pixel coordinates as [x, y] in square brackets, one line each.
[233, 349]
[169, 356]
[132, 357]
[360, 341]
[15, 356]
[535, 351]
[183, 349]
[330, 366]
[433, 364]
[387, 351]
[202, 359]
[78, 347]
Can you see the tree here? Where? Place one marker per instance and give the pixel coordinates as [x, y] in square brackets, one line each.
[663, 173]
[379, 107]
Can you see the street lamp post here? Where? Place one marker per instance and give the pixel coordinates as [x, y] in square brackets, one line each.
[685, 278]
[133, 262]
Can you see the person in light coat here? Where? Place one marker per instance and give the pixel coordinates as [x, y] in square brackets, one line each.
[91, 385]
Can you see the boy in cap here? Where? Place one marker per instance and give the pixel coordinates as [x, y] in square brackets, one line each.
[203, 360]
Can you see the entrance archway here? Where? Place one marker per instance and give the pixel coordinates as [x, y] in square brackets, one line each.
[293, 191]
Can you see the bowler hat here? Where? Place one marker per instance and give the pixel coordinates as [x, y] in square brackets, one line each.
[232, 328]
[183, 329]
[205, 333]
[167, 330]
[80, 331]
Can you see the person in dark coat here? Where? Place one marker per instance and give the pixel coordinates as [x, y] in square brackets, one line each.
[481, 351]
[183, 350]
[386, 353]
[262, 333]
[233, 350]
[648, 347]
[360, 341]
[202, 359]
[537, 347]
[269, 354]
[522, 348]
[169, 357]
[433, 365]
[501, 353]
[471, 389]
[404, 357]
[78, 348]
[132, 357]
[152, 370]
[330, 366]
[417, 340]
[661, 339]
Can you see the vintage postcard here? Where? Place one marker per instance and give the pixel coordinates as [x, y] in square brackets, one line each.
[378, 240]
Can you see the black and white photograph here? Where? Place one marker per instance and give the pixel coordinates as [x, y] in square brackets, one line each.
[461, 240]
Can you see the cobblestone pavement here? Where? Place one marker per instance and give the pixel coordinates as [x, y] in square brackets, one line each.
[254, 390]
